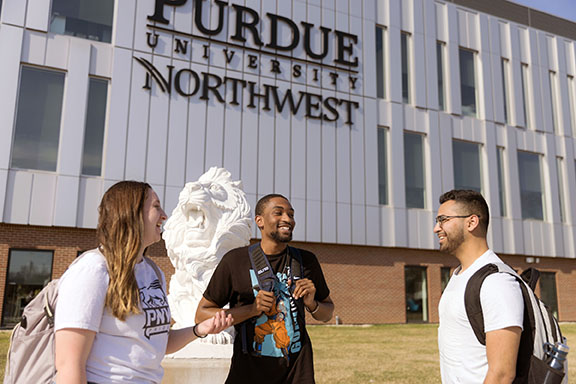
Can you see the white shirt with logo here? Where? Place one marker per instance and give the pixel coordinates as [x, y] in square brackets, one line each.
[462, 357]
[127, 351]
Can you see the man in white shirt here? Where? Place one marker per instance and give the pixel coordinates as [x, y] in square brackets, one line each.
[461, 227]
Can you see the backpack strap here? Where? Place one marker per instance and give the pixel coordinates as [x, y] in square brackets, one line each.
[146, 258]
[155, 268]
[472, 300]
[531, 276]
[296, 268]
[261, 267]
[266, 279]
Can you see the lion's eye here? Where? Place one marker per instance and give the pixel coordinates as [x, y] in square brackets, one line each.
[218, 192]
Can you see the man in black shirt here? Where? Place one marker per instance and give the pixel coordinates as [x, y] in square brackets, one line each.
[271, 345]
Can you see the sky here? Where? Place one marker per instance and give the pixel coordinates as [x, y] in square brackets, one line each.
[563, 8]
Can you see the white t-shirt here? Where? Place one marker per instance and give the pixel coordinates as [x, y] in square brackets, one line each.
[127, 351]
[462, 357]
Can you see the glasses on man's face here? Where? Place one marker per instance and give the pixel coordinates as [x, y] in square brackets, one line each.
[440, 220]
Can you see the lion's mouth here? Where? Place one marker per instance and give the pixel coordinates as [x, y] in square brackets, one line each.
[195, 217]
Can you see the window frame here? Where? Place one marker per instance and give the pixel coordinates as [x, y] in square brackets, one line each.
[478, 146]
[505, 67]
[465, 108]
[5, 304]
[102, 115]
[441, 74]
[383, 169]
[500, 163]
[425, 307]
[405, 61]
[525, 80]
[381, 62]
[524, 205]
[52, 164]
[422, 166]
[54, 26]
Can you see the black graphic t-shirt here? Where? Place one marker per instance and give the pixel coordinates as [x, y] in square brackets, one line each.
[279, 349]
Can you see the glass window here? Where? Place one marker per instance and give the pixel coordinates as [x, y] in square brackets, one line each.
[572, 103]
[88, 19]
[467, 168]
[560, 178]
[95, 123]
[525, 98]
[554, 102]
[28, 273]
[37, 130]
[548, 291]
[531, 192]
[505, 84]
[380, 69]
[416, 294]
[440, 68]
[382, 165]
[501, 183]
[405, 52]
[468, 82]
[414, 170]
[444, 277]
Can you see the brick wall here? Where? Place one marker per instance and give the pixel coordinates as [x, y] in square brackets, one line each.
[366, 283]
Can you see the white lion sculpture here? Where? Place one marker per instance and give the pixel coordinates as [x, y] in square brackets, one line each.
[211, 218]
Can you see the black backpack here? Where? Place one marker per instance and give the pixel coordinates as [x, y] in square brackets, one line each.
[539, 328]
[267, 278]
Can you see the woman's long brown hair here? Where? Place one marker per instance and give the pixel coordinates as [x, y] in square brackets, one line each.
[120, 230]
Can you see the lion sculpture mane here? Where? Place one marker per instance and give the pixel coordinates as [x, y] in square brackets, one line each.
[211, 218]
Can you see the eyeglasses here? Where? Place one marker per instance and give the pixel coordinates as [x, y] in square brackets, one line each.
[443, 218]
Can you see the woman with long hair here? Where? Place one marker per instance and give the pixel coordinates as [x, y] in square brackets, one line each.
[112, 318]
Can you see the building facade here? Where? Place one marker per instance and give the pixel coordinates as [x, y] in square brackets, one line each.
[360, 112]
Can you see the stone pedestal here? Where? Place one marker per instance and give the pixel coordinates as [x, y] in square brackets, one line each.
[198, 363]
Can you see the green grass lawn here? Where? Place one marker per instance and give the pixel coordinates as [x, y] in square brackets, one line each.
[390, 354]
[384, 354]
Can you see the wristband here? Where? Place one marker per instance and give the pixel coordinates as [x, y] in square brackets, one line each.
[315, 309]
[196, 334]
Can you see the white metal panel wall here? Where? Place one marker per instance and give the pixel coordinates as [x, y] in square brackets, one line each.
[11, 39]
[37, 15]
[328, 170]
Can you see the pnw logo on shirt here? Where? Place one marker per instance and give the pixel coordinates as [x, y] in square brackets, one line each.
[156, 310]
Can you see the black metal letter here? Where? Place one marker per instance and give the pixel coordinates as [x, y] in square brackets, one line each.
[251, 26]
[198, 17]
[252, 61]
[330, 104]
[308, 37]
[214, 88]
[274, 33]
[275, 66]
[158, 15]
[349, 105]
[154, 42]
[235, 88]
[181, 46]
[353, 82]
[312, 105]
[297, 70]
[342, 48]
[178, 85]
[229, 55]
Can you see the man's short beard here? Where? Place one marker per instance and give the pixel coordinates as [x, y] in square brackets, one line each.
[280, 239]
[452, 244]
